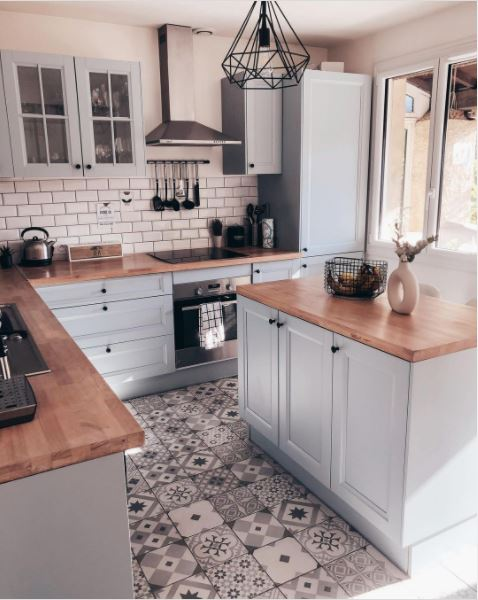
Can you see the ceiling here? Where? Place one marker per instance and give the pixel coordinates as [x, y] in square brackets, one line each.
[318, 22]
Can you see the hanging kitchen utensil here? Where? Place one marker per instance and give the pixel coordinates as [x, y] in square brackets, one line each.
[187, 204]
[180, 194]
[168, 176]
[197, 199]
[158, 204]
[250, 213]
[174, 204]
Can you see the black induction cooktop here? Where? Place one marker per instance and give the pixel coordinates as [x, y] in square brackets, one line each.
[195, 254]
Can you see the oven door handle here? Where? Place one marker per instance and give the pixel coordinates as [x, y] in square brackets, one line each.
[198, 306]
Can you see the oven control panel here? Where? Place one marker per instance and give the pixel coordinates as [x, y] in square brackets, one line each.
[216, 287]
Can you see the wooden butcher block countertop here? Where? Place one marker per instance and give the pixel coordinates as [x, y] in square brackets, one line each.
[435, 328]
[62, 271]
[78, 417]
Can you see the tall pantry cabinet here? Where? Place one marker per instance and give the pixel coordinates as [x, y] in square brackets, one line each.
[319, 200]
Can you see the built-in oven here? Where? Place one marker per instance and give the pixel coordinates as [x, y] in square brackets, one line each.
[191, 302]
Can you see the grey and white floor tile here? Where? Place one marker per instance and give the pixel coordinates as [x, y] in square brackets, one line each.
[233, 523]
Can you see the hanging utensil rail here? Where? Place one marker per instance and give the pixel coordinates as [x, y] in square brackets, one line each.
[176, 161]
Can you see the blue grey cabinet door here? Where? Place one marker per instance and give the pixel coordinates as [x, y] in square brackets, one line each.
[6, 164]
[111, 116]
[42, 109]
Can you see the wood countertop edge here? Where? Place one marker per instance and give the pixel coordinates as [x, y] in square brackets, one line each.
[64, 272]
[332, 324]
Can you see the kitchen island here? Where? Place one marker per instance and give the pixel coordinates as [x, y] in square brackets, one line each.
[375, 411]
[63, 507]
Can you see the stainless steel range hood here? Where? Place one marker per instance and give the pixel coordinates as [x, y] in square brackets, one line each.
[179, 128]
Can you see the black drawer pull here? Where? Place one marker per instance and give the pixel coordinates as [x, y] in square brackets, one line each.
[88, 167]
[103, 290]
[280, 325]
[335, 349]
[304, 266]
[77, 166]
[252, 165]
[272, 321]
[257, 271]
[105, 308]
[108, 350]
[304, 249]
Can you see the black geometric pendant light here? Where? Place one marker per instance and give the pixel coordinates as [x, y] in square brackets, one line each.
[265, 59]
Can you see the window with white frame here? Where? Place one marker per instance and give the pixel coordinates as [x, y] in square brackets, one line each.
[425, 176]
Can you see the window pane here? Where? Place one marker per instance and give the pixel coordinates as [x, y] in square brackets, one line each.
[103, 149]
[405, 158]
[457, 226]
[57, 144]
[100, 103]
[29, 84]
[34, 140]
[120, 95]
[52, 91]
[123, 146]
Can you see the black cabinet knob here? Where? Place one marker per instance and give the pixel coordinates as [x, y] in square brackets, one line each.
[252, 165]
[88, 167]
[257, 271]
[271, 321]
[304, 249]
[77, 166]
[279, 325]
[108, 350]
[335, 349]
[105, 308]
[103, 290]
[304, 266]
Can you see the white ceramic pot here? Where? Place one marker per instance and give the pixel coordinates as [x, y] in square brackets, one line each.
[403, 290]
[217, 241]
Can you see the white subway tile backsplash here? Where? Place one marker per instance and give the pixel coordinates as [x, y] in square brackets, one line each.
[67, 208]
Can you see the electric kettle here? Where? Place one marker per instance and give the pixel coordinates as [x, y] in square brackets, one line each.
[37, 252]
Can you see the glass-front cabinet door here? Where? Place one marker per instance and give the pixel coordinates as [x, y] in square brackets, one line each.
[109, 96]
[40, 94]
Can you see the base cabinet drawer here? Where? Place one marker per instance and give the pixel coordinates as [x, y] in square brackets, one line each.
[116, 316]
[106, 290]
[157, 352]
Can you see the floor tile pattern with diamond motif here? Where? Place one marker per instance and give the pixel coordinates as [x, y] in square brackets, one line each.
[212, 516]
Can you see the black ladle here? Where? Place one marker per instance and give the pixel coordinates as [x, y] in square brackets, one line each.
[173, 203]
[197, 200]
[158, 204]
[187, 204]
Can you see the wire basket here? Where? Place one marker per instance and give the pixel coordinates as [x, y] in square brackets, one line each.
[355, 277]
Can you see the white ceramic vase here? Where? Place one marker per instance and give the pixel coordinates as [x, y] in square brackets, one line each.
[403, 290]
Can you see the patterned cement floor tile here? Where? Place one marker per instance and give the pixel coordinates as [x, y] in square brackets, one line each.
[236, 503]
[189, 409]
[198, 462]
[168, 565]
[158, 416]
[203, 390]
[195, 517]
[273, 593]
[228, 385]
[140, 585]
[162, 472]
[151, 534]
[218, 402]
[228, 414]
[258, 529]
[186, 444]
[216, 481]
[171, 430]
[241, 577]
[215, 546]
[202, 422]
[175, 397]
[330, 540]
[284, 560]
[240, 428]
[147, 457]
[217, 436]
[236, 451]
[273, 490]
[146, 404]
[179, 493]
[135, 483]
[298, 514]
[142, 505]
[316, 584]
[197, 586]
[360, 572]
[252, 469]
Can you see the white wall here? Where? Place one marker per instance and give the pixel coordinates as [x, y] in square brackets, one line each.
[58, 35]
[449, 26]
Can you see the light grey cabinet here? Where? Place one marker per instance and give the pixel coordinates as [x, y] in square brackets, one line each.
[42, 108]
[50, 98]
[305, 395]
[274, 271]
[6, 165]
[255, 118]
[323, 186]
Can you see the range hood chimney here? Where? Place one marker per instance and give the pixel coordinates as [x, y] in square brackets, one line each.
[179, 127]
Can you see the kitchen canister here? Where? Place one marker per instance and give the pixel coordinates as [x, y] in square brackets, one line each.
[267, 233]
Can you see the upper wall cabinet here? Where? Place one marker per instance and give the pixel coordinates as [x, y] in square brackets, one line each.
[51, 98]
[6, 165]
[109, 100]
[254, 117]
